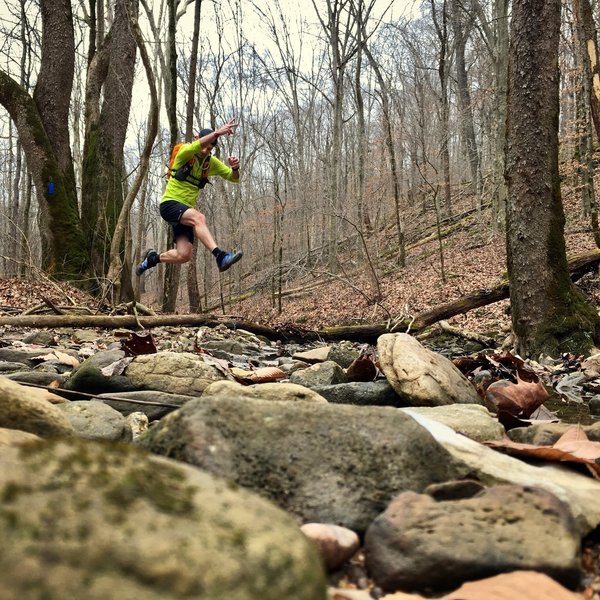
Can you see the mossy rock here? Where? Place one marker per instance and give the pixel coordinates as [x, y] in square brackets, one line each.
[97, 520]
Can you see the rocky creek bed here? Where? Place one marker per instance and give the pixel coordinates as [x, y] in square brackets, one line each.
[214, 464]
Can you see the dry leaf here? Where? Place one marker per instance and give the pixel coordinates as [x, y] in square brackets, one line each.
[361, 369]
[241, 374]
[520, 399]
[576, 442]
[116, 368]
[136, 345]
[512, 586]
[66, 359]
[219, 363]
[61, 357]
[262, 375]
[573, 446]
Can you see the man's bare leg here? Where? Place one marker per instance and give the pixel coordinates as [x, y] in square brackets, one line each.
[178, 255]
[197, 220]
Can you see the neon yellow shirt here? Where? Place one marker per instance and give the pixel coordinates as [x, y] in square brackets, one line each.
[184, 191]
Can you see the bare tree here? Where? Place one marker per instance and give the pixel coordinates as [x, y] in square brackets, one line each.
[116, 262]
[588, 106]
[549, 314]
[462, 24]
[440, 21]
[108, 104]
[42, 123]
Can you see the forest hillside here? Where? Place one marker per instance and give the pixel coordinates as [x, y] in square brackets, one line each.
[314, 298]
[474, 258]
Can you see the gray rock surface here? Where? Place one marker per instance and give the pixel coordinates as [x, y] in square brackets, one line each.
[12, 367]
[23, 355]
[328, 463]
[15, 437]
[368, 393]
[263, 391]
[37, 377]
[472, 420]
[420, 376]
[30, 409]
[81, 519]
[94, 420]
[325, 373]
[91, 379]
[158, 404]
[175, 372]
[420, 544]
[547, 434]
[491, 467]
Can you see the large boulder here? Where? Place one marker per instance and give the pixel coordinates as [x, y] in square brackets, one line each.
[322, 462]
[93, 520]
[490, 467]
[421, 544]
[420, 376]
[32, 410]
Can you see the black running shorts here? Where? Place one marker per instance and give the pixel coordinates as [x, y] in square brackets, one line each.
[171, 211]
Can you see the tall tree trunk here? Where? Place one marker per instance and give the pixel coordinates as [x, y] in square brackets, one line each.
[500, 106]
[195, 304]
[389, 143]
[103, 169]
[442, 33]
[172, 272]
[589, 41]
[589, 103]
[462, 26]
[549, 315]
[118, 266]
[42, 123]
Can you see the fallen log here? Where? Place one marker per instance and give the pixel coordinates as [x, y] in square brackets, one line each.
[578, 266]
[137, 322]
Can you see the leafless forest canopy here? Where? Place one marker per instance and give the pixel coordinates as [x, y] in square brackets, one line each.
[360, 125]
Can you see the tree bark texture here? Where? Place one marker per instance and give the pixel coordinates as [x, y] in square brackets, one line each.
[548, 314]
[584, 15]
[462, 24]
[172, 274]
[65, 257]
[103, 172]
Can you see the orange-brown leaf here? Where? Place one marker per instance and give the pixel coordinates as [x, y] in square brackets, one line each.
[513, 586]
[262, 375]
[573, 446]
[520, 399]
[362, 369]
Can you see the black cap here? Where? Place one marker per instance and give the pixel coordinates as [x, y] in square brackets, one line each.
[206, 131]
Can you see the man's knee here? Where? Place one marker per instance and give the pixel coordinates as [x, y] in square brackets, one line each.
[193, 217]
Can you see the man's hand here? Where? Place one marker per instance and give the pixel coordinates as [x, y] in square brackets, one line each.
[228, 128]
[234, 162]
